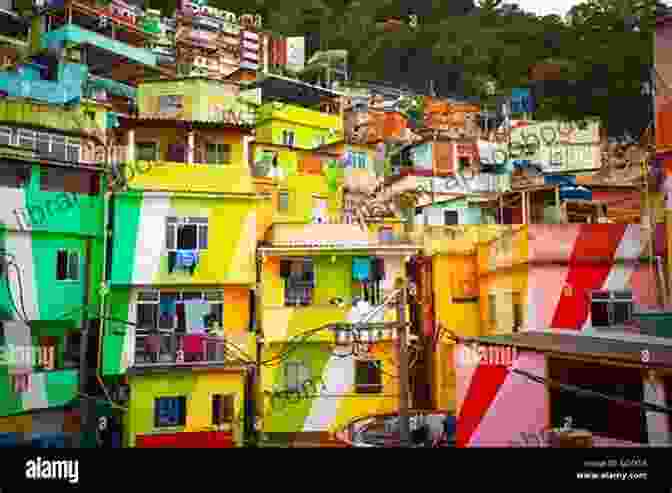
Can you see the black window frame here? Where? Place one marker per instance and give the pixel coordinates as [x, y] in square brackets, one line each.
[182, 418]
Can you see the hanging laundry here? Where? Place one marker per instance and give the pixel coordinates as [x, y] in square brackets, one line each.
[195, 311]
[297, 270]
[361, 268]
[285, 268]
[172, 260]
[187, 260]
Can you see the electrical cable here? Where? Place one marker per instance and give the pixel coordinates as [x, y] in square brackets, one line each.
[21, 298]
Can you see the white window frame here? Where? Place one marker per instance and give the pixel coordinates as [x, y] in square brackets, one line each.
[7, 132]
[153, 297]
[288, 138]
[610, 298]
[201, 223]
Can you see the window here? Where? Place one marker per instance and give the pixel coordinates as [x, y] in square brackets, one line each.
[517, 305]
[151, 315]
[222, 409]
[288, 137]
[14, 175]
[26, 138]
[611, 308]
[146, 151]
[6, 136]
[492, 309]
[186, 233]
[296, 374]
[300, 283]
[368, 377]
[57, 179]
[67, 265]
[57, 147]
[218, 153]
[170, 104]
[283, 201]
[359, 160]
[170, 411]
[451, 217]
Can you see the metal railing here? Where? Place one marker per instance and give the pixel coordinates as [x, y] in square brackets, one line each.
[169, 348]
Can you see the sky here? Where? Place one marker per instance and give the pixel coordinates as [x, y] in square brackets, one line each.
[546, 7]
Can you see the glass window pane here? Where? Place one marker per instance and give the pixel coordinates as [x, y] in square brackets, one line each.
[622, 312]
[170, 236]
[599, 312]
[203, 237]
[73, 266]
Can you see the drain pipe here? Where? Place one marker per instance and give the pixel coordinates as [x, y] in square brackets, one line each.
[104, 290]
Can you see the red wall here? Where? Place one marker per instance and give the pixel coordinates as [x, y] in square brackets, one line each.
[201, 439]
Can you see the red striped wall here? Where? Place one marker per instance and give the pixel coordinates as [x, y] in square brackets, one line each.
[201, 439]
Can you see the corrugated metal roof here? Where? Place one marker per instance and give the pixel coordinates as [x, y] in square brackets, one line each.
[609, 345]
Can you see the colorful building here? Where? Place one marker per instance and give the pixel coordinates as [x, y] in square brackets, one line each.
[312, 382]
[181, 295]
[490, 391]
[52, 256]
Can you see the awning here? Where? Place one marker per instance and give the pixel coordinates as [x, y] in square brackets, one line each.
[621, 347]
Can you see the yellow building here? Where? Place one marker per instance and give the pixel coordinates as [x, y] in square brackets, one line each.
[312, 382]
[182, 274]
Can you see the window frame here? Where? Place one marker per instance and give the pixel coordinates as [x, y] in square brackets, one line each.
[611, 298]
[182, 419]
[288, 137]
[283, 209]
[369, 388]
[222, 150]
[456, 214]
[202, 224]
[140, 143]
[155, 300]
[70, 254]
[302, 374]
[221, 413]
[290, 290]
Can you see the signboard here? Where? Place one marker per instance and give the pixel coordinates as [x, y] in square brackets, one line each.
[558, 146]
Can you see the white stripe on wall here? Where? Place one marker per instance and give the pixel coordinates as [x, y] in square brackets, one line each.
[150, 243]
[339, 377]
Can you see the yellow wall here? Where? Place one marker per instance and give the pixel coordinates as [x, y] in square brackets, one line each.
[198, 387]
[463, 318]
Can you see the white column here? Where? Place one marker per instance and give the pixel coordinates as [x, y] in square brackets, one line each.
[190, 147]
[265, 48]
[130, 142]
[657, 424]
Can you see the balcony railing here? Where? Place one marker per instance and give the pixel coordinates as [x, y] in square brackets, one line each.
[167, 348]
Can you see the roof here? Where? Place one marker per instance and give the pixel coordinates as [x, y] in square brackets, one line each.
[605, 347]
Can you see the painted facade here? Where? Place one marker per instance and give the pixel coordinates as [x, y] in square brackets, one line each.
[321, 357]
[489, 396]
[52, 235]
[195, 425]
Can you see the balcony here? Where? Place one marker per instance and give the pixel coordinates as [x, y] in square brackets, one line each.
[195, 178]
[299, 116]
[170, 349]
